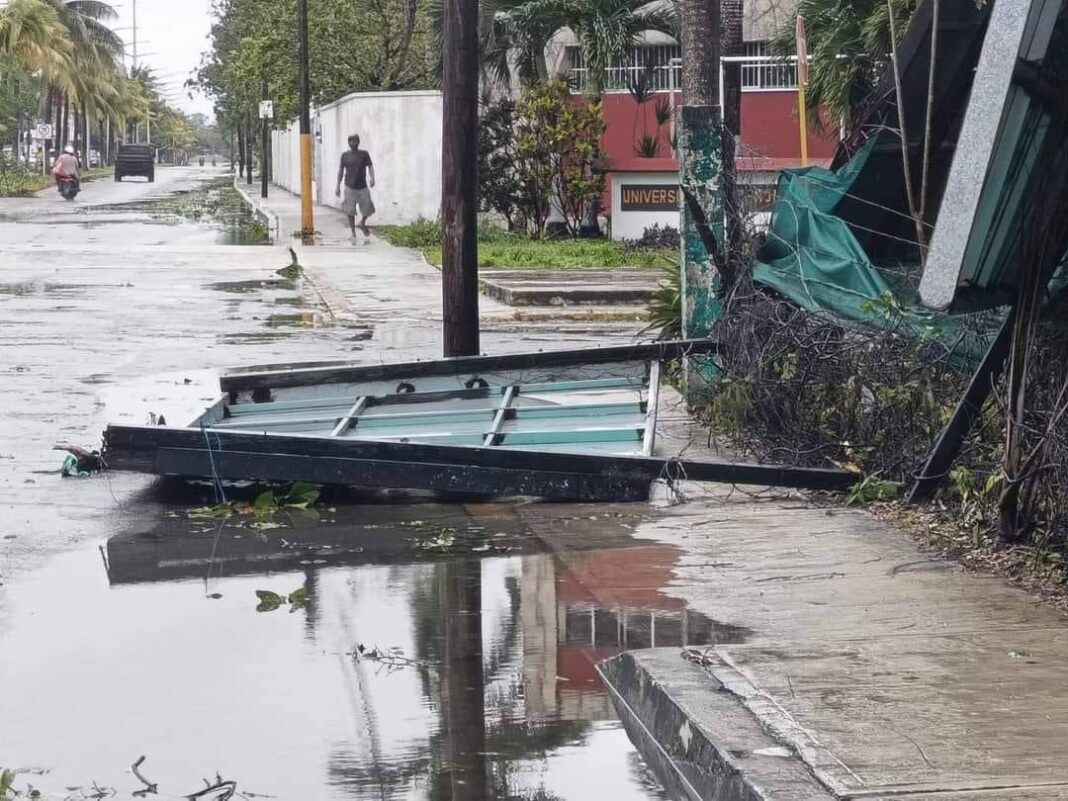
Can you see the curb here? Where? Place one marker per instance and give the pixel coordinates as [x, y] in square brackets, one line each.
[698, 737]
[265, 215]
[337, 306]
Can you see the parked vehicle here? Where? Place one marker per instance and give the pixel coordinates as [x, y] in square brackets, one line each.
[69, 186]
[135, 160]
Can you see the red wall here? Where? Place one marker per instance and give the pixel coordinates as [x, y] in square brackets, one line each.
[769, 129]
[625, 126]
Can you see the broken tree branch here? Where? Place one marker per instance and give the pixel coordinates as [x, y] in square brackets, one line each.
[150, 788]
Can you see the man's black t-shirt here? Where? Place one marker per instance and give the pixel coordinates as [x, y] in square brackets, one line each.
[356, 163]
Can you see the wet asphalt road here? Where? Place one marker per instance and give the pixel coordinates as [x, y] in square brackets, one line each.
[111, 315]
[128, 624]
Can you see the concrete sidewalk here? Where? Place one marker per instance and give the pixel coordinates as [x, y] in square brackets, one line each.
[882, 671]
[865, 668]
[367, 282]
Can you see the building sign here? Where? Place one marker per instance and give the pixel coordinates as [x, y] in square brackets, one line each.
[649, 197]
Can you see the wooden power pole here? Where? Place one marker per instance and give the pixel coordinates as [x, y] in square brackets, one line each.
[459, 179]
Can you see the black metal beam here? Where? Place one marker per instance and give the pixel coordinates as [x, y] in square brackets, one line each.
[969, 408]
[474, 365]
[196, 453]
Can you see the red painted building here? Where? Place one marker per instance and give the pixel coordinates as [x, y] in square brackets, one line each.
[638, 142]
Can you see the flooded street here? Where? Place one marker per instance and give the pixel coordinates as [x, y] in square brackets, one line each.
[362, 649]
[408, 670]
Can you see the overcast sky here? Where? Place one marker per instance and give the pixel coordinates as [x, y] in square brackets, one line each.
[172, 36]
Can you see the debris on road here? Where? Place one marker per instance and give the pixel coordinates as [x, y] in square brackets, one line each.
[568, 425]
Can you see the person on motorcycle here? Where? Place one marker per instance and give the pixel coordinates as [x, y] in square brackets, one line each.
[66, 167]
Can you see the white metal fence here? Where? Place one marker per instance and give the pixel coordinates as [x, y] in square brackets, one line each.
[761, 72]
[660, 62]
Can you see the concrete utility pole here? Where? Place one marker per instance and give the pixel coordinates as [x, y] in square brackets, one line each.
[700, 138]
[307, 214]
[459, 179]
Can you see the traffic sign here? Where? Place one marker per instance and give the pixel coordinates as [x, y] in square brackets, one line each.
[266, 110]
[42, 131]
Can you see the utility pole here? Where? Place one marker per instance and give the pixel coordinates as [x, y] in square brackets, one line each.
[459, 179]
[307, 219]
[266, 143]
[135, 62]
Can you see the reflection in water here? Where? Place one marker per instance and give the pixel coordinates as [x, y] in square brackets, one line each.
[493, 694]
[461, 773]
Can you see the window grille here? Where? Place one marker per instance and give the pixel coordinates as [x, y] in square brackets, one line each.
[660, 62]
[765, 75]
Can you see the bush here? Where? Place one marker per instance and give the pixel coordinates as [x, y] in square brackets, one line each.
[498, 179]
[16, 180]
[656, 237]
[418, 235]
[802, 388]
[557, 142]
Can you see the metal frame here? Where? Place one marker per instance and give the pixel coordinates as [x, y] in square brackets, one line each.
[450, 451]
[448, 468]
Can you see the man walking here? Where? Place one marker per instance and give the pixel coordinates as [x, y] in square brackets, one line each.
[358, 174]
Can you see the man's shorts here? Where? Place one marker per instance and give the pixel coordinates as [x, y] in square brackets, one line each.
[358, 202]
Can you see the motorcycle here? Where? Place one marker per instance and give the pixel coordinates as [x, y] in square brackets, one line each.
[68, 186]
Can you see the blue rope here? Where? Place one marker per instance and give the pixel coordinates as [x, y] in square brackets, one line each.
[220, 491]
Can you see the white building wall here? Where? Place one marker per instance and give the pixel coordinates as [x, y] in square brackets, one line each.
[401, 131]
[285, 156]
[632, 224]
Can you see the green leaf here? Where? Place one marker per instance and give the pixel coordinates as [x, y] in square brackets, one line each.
[302, 496]
[298, 599]
[265, 501]
[219, 512]
[7, 781]
[269, 601]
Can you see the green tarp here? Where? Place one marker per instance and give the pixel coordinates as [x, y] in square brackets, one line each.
[810, 255]
[813, 258]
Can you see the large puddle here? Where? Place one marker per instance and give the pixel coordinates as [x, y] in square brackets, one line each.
[362, 652]
[216, 208]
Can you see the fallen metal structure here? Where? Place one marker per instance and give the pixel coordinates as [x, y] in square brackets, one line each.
[567, 425]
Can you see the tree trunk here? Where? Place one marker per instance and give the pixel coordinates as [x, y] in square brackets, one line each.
[906, 165]
[700, 157]
[700, 31]
[240, 150]
[731, 18]
[66, 121]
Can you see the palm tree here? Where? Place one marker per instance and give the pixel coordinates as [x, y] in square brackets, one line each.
[606, 30]
[849, 47]
[96, 51]
[32, 32]
[515, 34]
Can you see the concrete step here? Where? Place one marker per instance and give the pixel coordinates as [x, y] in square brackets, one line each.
[570, 287]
